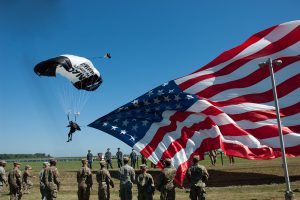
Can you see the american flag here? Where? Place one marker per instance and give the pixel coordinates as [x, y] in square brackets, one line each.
[226, 104]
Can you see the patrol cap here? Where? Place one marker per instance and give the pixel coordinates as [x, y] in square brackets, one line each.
[196, 158]
[168, 161]
[46, 163]
[83, 160]
[16, 163]
[102, 163]
[28, 167]
[2, 162]
[143, 166]
[125, 159]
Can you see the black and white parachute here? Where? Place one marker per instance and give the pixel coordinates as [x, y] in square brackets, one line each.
[79, 70]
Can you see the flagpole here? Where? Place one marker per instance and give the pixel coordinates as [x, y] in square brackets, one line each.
[288, 193]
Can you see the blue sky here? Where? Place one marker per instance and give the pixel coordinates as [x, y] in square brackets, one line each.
[151, 42]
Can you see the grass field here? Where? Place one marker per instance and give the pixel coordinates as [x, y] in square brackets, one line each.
[244, 180]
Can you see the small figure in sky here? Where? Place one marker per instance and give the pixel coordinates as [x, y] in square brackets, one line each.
[73, 127]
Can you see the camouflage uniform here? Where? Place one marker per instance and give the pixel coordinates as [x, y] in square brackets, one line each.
[165, 184]
[119, 156]
[127, 176]
[26, 182]
[3, 179]
[104, 180]
[42, 185]
[85, 182]
[107, 158]
[132, 158]
[145, 185]
[51, 182]
[197, 176]
[15, 183]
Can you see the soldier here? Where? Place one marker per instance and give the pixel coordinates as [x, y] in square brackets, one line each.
[51, 181]
[145, 184]
[197, 175]
[144, 160]
[107, 158]
[166, 179]
[15, 182]
[3, 179]
[89, 158]
[85, 181]
[26, 182]
[132, 158]
[119, 156]
[126, 176]
[104, 180]
[42, 185]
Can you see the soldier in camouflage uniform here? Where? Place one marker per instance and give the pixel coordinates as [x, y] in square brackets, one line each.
[126, 176]
[119, 156]
[3, 179]
[145, 184]
[104, 180]
[197, 175]
[85, 181]
[42, 185]
[133, 157]
[15, 182]
[26, 182]
[165, 183]
[51, 181]
[107, 158]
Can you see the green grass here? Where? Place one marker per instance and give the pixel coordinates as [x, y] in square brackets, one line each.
[244, 180]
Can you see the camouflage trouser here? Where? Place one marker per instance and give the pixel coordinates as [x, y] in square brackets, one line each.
[167, 194]
[51, 192]
[126, 191]
[84, 193]
[120, 163]
[103, 192]
[144, 195]
[1, 187]
[27, 186]
[43, 192]
[197, 193]
[15, 194]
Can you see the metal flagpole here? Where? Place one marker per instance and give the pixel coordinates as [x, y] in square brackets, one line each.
[288, 193]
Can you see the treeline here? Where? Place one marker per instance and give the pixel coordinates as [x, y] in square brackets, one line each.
[22, 156]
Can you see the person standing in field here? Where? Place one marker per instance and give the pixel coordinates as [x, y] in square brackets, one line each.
[144, 160]
[119, 156]
[107, 158]
[197, 176]
[104, 180]
[51, 181]
[84, 181]
[3, 179]
[89, 158]
[26, 182]
[127, 177]
[132, 158]
[145, 184]
[42, 185]
[166, 181]
[15, 182]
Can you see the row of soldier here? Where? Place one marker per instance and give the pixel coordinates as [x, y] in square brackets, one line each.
[50, 182]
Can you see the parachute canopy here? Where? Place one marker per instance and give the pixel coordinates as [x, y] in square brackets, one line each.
[79, 70]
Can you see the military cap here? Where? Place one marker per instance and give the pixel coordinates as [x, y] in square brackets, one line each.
[102, 163]
[46, 163]
[143, 166]
[17, 163]
[118, 147]
[83, 160]
[196, 158]
[108, 148]
[168, 160]
[126, 159]
[28, 167]
[2, 162]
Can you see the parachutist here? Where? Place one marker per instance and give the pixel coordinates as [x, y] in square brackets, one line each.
[73, 127]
